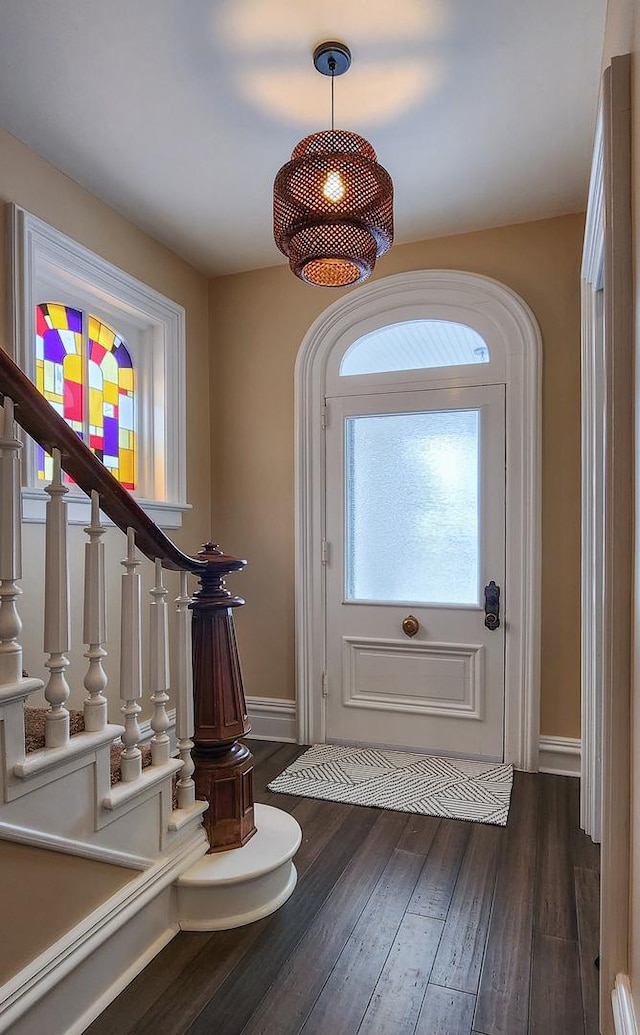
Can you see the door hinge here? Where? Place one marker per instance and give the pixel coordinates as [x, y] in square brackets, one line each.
[324, 415]
[325, 551]
[325, 685]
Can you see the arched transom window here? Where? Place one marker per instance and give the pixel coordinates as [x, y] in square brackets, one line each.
[414, 345]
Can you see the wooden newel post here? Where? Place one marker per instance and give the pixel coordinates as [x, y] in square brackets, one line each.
[223, 768]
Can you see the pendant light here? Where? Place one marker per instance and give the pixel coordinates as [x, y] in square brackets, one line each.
[333, 202]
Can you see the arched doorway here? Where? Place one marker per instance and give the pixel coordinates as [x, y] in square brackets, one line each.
[502, 321]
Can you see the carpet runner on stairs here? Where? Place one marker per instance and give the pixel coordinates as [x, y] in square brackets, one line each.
[34, 725]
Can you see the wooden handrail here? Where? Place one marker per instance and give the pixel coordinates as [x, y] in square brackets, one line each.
[224, 767]
[51, 431]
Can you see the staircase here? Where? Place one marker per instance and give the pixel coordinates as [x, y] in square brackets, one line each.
[147, 865]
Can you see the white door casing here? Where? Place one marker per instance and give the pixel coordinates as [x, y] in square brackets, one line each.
[594, 503]
[442, 689]
[508, 326]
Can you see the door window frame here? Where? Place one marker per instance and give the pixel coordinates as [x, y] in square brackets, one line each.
[512, 334]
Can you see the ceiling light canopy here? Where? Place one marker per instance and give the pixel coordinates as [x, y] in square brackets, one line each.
[333, 202]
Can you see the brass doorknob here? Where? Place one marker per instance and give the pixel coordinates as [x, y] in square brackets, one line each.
[410, 625]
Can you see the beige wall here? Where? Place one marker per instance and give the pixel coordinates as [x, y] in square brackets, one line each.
[258, 322]
[31, 182]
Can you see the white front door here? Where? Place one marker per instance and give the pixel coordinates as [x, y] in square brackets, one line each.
[415, 529]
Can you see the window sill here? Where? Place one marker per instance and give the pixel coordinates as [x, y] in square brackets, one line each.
[34, 501]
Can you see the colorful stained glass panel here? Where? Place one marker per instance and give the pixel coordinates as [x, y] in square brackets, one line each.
[111, 401]
[59, 366]
[94, 393]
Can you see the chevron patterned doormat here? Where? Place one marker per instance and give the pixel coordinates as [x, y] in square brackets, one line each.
[401, 781]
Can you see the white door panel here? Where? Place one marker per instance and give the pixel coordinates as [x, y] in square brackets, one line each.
[415, 524]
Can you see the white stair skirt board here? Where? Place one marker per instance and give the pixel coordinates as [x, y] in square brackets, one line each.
[230, 889]
[65, 988]
[560, 755]
[624, 1015]
[272, 718]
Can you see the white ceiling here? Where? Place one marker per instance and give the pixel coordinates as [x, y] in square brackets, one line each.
[178, 113]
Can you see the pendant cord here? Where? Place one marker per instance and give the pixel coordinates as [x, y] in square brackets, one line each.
[332, 66]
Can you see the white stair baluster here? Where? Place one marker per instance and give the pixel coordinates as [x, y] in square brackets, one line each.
[56, 609]
[10, 548]
[130, 664]
[184, 696]
[159, 670]
[95, 621]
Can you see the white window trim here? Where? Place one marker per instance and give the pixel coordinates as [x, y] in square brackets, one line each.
[42, 255]
[513, 336]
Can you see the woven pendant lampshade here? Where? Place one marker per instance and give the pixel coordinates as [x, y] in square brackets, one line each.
[333, 202]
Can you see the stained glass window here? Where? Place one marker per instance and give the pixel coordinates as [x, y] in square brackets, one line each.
[83, 368]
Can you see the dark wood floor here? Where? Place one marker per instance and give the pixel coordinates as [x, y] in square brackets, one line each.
[399, 925]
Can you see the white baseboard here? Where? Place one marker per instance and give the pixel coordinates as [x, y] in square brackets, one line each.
[272, 718]
[624, 1015]
[560, 755]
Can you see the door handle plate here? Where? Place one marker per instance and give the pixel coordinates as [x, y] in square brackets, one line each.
[492, 606]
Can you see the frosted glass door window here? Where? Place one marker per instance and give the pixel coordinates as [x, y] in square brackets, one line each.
[412, 506]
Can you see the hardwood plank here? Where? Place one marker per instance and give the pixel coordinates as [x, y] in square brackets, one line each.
[320, 821]
[144, 990]
[446, 1011]
[230, 1009]
[503, 996]
[460, 953]
[432, 896]
[397, 998]
[268, 770]
[274, 763]
[555, 913]
[588, 911]
[344, 999]
[419, 834]
[180, 1002]
[556, 1003]
[261, 749]
[298, 983]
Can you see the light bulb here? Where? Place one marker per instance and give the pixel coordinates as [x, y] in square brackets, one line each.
[334, 188]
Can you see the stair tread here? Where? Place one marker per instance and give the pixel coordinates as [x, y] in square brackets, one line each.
[45, 758]
[121, 793]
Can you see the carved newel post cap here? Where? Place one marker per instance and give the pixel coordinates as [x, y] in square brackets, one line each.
[216, 557]
[212, 578]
